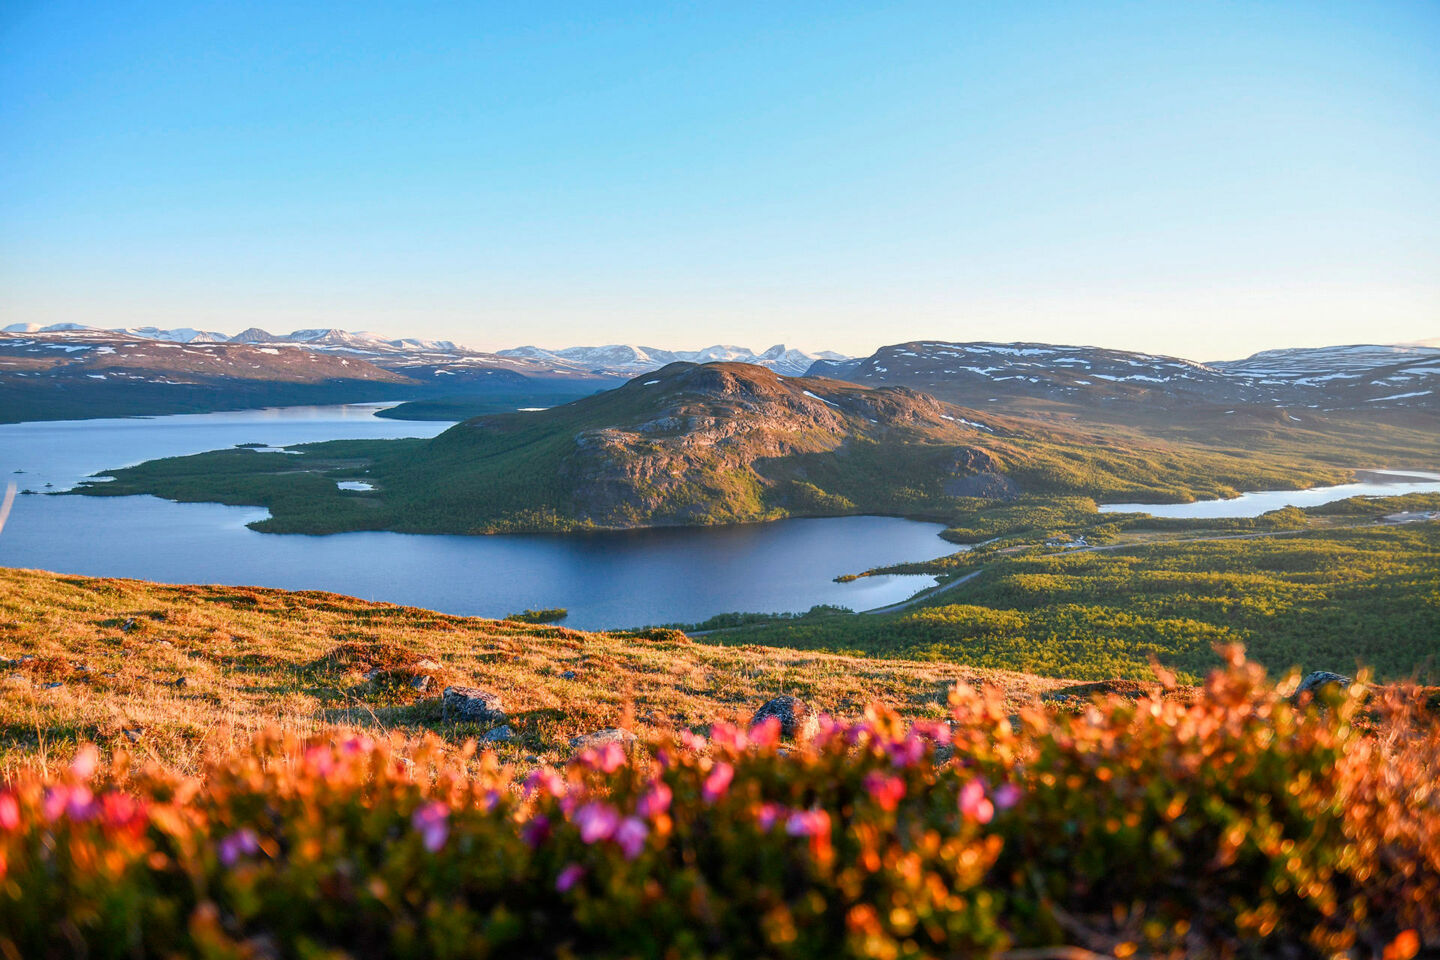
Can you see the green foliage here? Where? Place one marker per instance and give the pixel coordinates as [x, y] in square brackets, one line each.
[547, 615]
[1324, 599]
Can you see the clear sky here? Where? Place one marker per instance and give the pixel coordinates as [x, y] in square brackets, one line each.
[1197, 178]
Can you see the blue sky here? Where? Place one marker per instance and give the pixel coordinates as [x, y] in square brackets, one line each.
[1204, 179]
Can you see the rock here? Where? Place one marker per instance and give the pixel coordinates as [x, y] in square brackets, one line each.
[797, 720]
[568, 675]
[133, 733]
[425, 663]
[1314, 682]
[421, 683]
[181, 682]
[129, 624]
[499, 735]
[52, 686]
[471, 704]
[599, 738]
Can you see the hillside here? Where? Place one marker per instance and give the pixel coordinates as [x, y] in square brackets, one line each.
[704, 444]
[1103, 383]
[178, 672]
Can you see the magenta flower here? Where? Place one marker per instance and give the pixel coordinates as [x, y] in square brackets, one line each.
[933, 730]
[544, 780]
[654, 801]
[808, 823]
[717, 782]
[769, 815]
[974, 805]
[631, 836]
[606, 758]
[320, 760]
[766, 733]
[885, 788]
[597, 821]
[242, 842]
[1006, 796]
[9, 811]
[120, 809]
[568, 877]
[54, 802]
[81, 805]
[535, 831]
[904, 753]
[692, 741]
[432, 821]
[729, 737]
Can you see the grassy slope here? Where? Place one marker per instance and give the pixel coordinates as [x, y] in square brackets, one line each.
[255, 657]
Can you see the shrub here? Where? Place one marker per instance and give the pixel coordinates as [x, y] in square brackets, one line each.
[1238, 823]
[549, 615]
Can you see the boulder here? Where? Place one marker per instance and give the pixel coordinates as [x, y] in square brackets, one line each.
[472, 705]
[797, 720]
[599, 738]
[499, 735]
[1314, 682]
[421, 683]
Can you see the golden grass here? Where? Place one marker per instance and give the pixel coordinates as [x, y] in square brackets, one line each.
[254, 658]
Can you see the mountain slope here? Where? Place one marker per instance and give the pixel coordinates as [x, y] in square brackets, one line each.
[631, 360]
[1111, 384]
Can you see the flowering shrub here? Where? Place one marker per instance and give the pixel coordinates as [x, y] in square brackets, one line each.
[1235, 824]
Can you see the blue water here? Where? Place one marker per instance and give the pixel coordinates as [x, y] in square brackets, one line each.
[1378, 483]
[605, 580]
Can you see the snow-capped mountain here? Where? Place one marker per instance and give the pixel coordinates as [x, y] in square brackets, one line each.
[1363, 377]
[629, 360]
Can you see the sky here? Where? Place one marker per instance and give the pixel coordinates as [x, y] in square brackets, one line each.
[1202, 179]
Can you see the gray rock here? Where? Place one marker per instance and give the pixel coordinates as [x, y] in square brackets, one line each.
[133, 733]
[52, 686]
[421, 683]
[568, 675]
[599, 738]
[471, 704]
[1314, 682]
[797, 720]
[425, 663]
[499, 735]
[181, 682]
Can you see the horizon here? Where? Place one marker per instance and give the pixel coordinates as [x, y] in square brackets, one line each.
[1191, 182]
[1432, 342]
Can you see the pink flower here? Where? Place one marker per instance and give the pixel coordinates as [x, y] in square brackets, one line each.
[320, 759]
[242, 842]
[9, 811]
[597, 821]
[631, 836]
[359, 744]
[490, 801]
[535, 831]
[544, 780]
[729, 737]
[607, 758]
[933, 730]
[693, 741]
[54, 802]
[769, 815]
[568, 877]
[1006, 796]
[120, 809]
[432, 821]
[766, 733]
[904, 753]
[974, 805]
[81, 806]
[85, 762]
[886, 789]
[717, 782]
[654, 801]
[808, 823]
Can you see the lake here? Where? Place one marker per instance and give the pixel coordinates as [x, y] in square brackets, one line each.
[1374, 483]
[606, 580]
